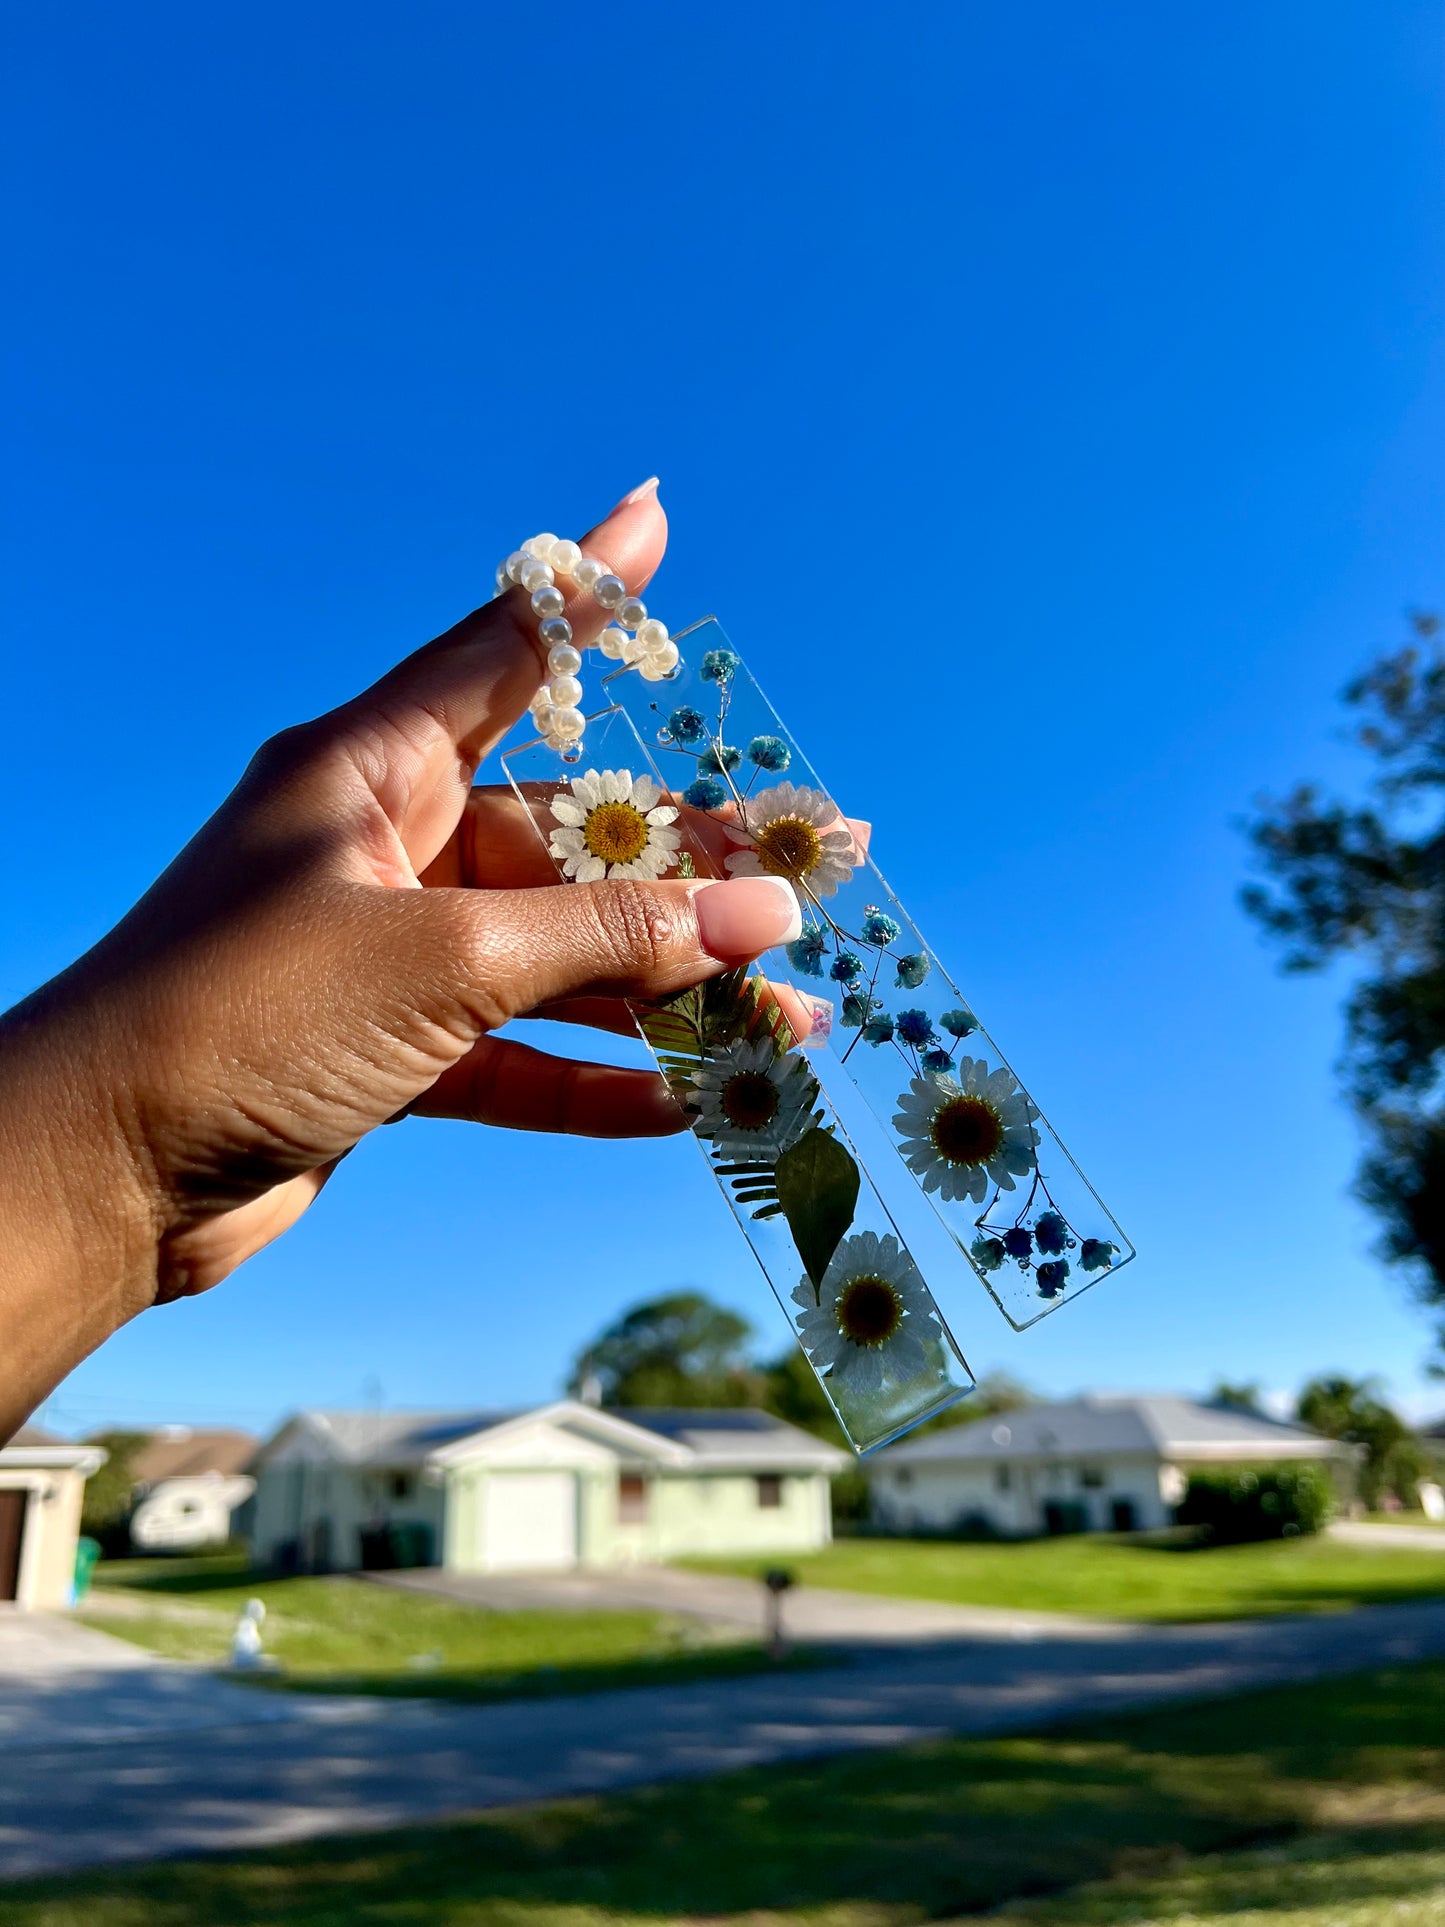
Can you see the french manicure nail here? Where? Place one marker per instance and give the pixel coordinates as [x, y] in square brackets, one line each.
[643, 489]
[745, 916]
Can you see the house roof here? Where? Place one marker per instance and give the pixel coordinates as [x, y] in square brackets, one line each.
[732, 1437]
[1163, 1426]
[31, 1435]
[184, 1451]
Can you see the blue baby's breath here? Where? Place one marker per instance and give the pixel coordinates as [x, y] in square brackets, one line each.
[879, 1030]
[846, 968]
[959, 1023]
[705, 794]
[938, 1060]
[912, 971]
[769, 752]
[915, 1027]
[805, 953]
[687, 726]
[879, 929]
[719, 665]
[1018, 1241]
[1050, 1277]
[720, 757]
[1096, 1254]
[987, 1253]
[1051, 1233]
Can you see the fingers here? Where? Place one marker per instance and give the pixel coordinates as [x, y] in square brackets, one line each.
[503, 1082]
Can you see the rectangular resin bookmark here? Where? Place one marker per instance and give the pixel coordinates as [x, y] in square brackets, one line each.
[686, 770]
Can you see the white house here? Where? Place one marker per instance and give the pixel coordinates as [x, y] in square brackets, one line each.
[564, 1485]
[42, 1484]
[1102, 1463]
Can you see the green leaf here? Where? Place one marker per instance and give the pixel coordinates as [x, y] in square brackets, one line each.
[818, 1188]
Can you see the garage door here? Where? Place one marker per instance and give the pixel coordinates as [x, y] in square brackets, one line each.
[529, 1521]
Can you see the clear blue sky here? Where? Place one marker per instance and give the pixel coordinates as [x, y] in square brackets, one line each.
[1049, 399]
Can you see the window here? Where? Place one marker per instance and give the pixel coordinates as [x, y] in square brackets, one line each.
[1091, 1478]
[770, 1489]
[631, 1499]
[1003, 1477]
[400, 1485]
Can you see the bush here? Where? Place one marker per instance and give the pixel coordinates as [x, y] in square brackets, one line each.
[1275, 1502]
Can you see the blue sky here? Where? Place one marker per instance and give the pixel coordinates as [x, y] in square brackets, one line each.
[1048, 399]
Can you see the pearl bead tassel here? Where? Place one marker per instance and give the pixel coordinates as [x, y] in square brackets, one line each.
[632, 638]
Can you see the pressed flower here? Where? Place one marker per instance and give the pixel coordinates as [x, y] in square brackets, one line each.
[878, 1030]
[753, 1102]
[912, 971]
[805, 953]
[879, 929]
[1051, 1233]
[1096, 1254]
[719, 665]
[937, 1059]
[959, 1023]
[719, 757]
[846, 968]
[687, 726]
[793, 832]
[987, 1253]
[962, 1132]
[915, 1027]
[613, 825]
[770, 753]
[705, 794]
[1018, 1241]
[857, 1009]
[1050, 1277]
[866, 1324]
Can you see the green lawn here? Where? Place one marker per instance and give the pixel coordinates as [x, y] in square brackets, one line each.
[1315, 1806]
[1126, 1578]
[347, 1635]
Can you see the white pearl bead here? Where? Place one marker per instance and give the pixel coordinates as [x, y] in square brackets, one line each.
[540, 697]
[504, 581]
[652, 669]
[564, 557]
[610, 590]
[632, 612]
[516, 562]
[652, 634]
[611, 642]
[589, 572]
[568, 724]
[541, 546]
[632, 649]
[666, 658]
[535, 574]
[555, 631]
[563, 659]
[548, 601]
[543, 716]
[566, 692]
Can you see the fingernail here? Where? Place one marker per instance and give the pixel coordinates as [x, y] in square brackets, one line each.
[640, 493]
[746, 916]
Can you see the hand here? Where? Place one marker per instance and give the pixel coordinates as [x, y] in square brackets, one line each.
[334, 947]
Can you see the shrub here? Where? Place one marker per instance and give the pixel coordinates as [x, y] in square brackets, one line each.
[1275, 1502]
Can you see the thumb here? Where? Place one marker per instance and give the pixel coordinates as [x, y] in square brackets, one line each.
[516, 949]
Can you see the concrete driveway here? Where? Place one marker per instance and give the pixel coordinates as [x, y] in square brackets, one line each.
[1405, 1538]
[195, 1763]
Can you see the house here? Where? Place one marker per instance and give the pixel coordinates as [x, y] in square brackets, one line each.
[1095, 1464]
[564, 1485]
[189, 1482]
[42, 1483]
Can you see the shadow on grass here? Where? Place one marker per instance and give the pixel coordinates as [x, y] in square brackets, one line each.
[878, 1839]
[217, 1573]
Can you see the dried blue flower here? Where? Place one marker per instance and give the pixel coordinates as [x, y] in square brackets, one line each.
[959, 1023]
[1050, 1277]
[805, 953]
[879, 1030]
[1018, 1242]
[912, 971]
[769, 752]
[705, 794]
[719, 665]
[687, 726]
[915, 1027]
[938, 1059]
[846, 968]
[856, 1010]
[721, 756]
[1096, 1254]
[879, 929]
[1051, 1233]
[987, 1253]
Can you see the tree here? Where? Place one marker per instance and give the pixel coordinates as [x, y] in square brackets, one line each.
[1347, 1408]
[1243, 1397]
[1368, 881]
[105, 1508]
[678, 1350]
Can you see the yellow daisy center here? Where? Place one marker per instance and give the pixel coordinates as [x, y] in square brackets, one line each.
[789, 847]
[869, 1310]
[967, 1130]
[615, 832]
[749, 1100]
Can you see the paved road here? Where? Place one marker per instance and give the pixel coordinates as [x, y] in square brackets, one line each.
[1406, 1538]
[232, 1769]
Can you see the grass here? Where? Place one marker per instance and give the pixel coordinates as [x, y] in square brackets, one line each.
[1314, 1806]
[344, 1635]
[1126, 1578]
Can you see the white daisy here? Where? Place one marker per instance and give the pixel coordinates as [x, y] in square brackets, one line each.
[614, 825]
[752, 1102]
[870, 1318]
[794, 832]
[961, 1132]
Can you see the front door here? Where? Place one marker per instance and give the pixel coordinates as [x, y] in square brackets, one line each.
[529, 1521]
[13, 1501]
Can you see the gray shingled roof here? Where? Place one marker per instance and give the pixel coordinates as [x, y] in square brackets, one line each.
[1161, 1426]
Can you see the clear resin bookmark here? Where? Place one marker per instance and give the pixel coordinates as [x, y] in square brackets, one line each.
[692, 773]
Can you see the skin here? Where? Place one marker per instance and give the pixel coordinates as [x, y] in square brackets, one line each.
[335, 947]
